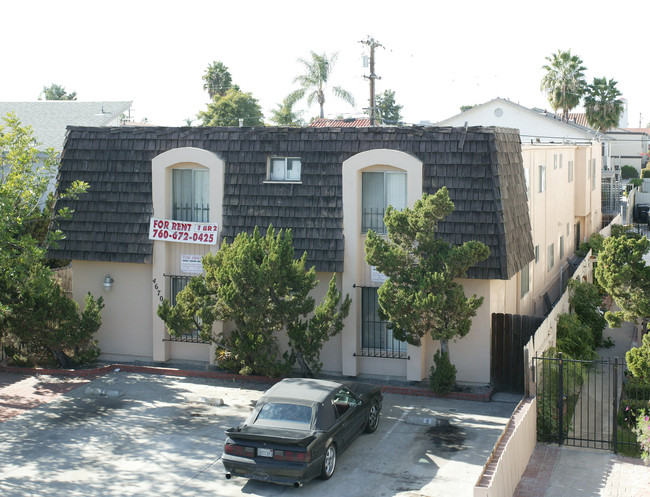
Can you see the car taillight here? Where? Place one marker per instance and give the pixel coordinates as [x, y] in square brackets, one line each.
[292, 456]
[239, 450]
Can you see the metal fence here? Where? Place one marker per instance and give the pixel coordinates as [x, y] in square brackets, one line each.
[587, 403]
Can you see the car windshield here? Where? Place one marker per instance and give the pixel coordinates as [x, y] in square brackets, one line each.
[284, 415]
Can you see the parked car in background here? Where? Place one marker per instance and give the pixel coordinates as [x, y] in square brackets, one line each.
[298, 428]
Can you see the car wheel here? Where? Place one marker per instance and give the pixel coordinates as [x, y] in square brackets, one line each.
[373, 418]
[329, 463]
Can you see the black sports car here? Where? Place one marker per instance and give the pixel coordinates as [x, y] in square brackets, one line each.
[298, 428]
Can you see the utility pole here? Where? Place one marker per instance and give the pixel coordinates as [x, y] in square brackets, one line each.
[372, 43]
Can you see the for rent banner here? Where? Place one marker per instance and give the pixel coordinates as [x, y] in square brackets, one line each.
[167, 230]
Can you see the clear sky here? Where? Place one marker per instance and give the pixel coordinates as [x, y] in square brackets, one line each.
[437, 55]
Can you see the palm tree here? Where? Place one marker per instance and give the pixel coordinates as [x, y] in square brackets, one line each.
[564, 82]
[314, 82]
[217, 79]
[602, 105]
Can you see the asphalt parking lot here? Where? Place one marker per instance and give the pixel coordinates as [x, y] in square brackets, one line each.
[149, 435]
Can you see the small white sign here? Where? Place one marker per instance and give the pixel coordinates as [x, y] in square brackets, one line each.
[191, 263]
[376, 276]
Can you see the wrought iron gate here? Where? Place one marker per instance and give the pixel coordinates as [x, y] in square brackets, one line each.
[582, 403]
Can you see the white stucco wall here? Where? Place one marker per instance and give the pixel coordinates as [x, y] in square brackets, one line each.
[125, 332]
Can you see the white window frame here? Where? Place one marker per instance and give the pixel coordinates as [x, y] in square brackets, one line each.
[287, 173]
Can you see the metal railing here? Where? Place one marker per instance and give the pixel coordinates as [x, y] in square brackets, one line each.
[176, 284]
[376, 338]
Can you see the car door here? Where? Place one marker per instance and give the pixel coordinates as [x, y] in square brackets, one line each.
[351, 415]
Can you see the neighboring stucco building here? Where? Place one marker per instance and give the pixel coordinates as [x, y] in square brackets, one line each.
[329, 185]
[563, 167]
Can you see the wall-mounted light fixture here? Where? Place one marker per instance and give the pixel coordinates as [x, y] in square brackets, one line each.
[108, 283]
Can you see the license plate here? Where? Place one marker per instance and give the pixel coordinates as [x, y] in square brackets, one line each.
[265, 452]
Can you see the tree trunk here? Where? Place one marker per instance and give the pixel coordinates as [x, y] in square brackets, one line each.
[444, 346]
[304, 367]
[64, 360]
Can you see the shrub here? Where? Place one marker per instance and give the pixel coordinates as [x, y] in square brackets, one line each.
[645, 173]
[595, 244]
[575, 338]
[637, 388]
[443, 374]
[636, 182]
[642, 432]
[628, 172]
[638, 359]
[585, 300]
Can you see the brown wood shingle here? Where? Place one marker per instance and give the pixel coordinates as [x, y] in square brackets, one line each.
[481, 167]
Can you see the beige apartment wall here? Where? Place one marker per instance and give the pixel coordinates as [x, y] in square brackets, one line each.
[126, 318]
[555, 211]
[166, 255]
[355, 270]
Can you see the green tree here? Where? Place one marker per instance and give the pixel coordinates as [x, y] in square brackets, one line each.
[34, 313]
[56, 92]
[629, 172]
[464, 108]
[585, 300]
[217, 80]
[421, 295]
[256, 283]
[564, 82]
[623, 274]
[603, 104]
[638, 359]
[284, 115]
[229, 109]
[313, 82]
[388, 110]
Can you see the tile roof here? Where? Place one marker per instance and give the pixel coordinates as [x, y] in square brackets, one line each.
[481, 167]
[340, 123]
[49, 118]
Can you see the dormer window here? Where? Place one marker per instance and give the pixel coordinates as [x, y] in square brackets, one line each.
[284, 169]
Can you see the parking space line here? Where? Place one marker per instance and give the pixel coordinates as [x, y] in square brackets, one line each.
[390, 430]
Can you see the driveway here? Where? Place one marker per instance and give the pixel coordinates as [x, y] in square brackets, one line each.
[149, 435]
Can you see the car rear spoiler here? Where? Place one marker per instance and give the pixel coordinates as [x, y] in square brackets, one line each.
[278, 436]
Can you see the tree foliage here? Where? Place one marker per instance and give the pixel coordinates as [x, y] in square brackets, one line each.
[421, 295]
[256, 284]
[57, 92]
[638, 359]
[388, 110]
[313, 83]
[217, 79]
[34, 313]
[603, 104]
[575, 338]
[564, 82]
[229, 109]
[284, 115]
[629, 172]
[585, 300]
[623, 274]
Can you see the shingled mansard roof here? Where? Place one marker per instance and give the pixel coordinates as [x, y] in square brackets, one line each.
[481, 167]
